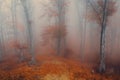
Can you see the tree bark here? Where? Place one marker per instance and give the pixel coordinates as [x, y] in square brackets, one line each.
[102, 67]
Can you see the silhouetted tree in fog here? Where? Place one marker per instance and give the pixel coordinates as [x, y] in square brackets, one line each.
[13, 12]
[101, 13]
[83, 27]
[1, 45]
[27, 10]
[18, 46]
[57, 31]
[1, 34]
[60, 4]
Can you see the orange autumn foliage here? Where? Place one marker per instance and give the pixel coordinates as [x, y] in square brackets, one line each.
[111, 7]
[52, 33]
[18, 45]
[97, 10]
[53, 66]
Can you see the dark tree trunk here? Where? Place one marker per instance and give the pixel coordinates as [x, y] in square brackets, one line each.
[61, 24]
[102, 67]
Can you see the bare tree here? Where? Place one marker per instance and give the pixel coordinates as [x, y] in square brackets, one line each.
[1, 34]
[83, 27]
[101, 13]
[13, 9]
[60, 24]
[13, 12]
[27, 10]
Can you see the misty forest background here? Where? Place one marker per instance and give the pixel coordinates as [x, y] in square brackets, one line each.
[61, 27]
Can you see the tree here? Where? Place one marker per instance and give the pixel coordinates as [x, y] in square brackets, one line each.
[27, 10]
[13, 11]
[1, 34]
[2, 47]
[101, 13]
[60, 24]
[58, 12]
[83, 27]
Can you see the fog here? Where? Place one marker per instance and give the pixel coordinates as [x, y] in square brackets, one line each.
[83, 35]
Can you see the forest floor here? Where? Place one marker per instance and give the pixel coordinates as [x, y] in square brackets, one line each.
[51, 68]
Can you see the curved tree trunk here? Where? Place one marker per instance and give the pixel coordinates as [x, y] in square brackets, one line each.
[102, 67]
